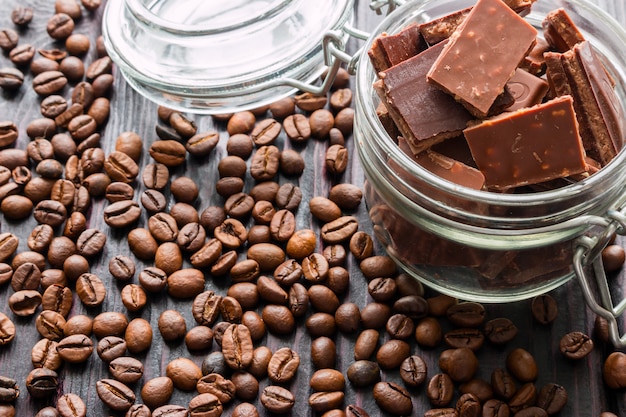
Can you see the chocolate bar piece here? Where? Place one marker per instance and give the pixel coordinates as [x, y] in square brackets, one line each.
[482, 54]
[447, 168]
[535, 62]
[423, 113]
[527, 90]
[389, 50]
[521, 7]
[441, 29]
[582, 75]
[528, 146]
[560, 31]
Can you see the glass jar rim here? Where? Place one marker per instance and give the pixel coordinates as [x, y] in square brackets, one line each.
[398, 19]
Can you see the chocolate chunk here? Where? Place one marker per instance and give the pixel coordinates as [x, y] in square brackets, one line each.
[560, 31]
[482, 54]
[534, 62]
[424, 114]
[441, 29]
[521, 7]
[597, 108]
[389, 50]
[528, 146]
[447, 168]
[527, 89]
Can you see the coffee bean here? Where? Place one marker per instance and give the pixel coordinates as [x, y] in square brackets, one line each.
[134, 297]
[531, 412]
[115, 394]
[137, 410]
[185, 283]
[310, 102]
[126, 369]
[8, 245]
[118, 191]
[157, 391]
[90, 290]
[71, 405]
[109, 323]
[73, 68]
[22, 15]
[544, 309]
[460, 364]
[265, 163]
[170, 153]
[21, 55]
[346, 196]
[25, 302]
[121, 214]
[239, 206]
[267, 255]
[524, 397]
[336, 160]
[70, 7]
[153, 201]
[392, 398]
[142, 244]
[339, 230]
[265, 132]
[241, 122]
[217, 385]
[49, 82]
[291, 163]
[57, 298]
[440, 390]
[99, 110]
[201, 144]
[613, 257]
[44, 355]
[297, 128]
[121, 167]
[75, 348]
[205, 405]
[382, 289]
[400, 326]
[278, 319]
[466, 314]
[283, 365]
[500, 330]
[172, 325]
[391, 353]
[42, 383]
[277, 399]
[323, 402]
[8, 39]
[552, 398]
[9, 390]
[184, 373]
[91, 5]
[237, 346]
[363, 373]
[98, 67]
[465, 337]
[503, 383]
[163, 227]
[78, 324]
[111, 347]
[11, 79]
[27, 276]
[575, 345]
[522, 365]
[375, 315]
[168, 257]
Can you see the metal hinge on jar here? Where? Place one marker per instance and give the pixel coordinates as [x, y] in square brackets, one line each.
[592, 278]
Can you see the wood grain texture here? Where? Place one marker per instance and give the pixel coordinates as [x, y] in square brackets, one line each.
[131, 112]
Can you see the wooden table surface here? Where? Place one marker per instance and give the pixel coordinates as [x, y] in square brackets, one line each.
[131, 112]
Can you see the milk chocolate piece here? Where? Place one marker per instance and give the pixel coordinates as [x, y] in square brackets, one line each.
[441, 29]
[521, 7]
[389, 50]
[482, 54]
[527, 89]
[447, 168]
[560, 31]
[534, 62]
[423, 113]
[528, 146]
[597, 108]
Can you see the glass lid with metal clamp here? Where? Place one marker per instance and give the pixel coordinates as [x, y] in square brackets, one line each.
[220, 57]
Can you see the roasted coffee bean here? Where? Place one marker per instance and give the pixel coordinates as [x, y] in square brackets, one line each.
[465, 337]
[90, 289]
[42, 383]
[119, 191]
[25, 302]
[552, 398]
[75, 348]
[121, 214]
[613, 374]
[382, 289]
[613, 257]
[111, 347]
[288, 273]
[53, 105]
[336, 160]
[6, 272]
[163, 227]
[283, 365]
[134, 297]
[172, 325]
[50, 168]
[544, 309]
[90, 242]
[400, 326]
[22, 54]
[241, 122]
[50, 212]
[310, 102]
[277, 399]
[8, 39]
[575, 345]
[168, 257]
[184, 373]
[375, 315]
[184, 190]
[346, 196]
[363, 373]
[138, 410]
[41, 128]
[126, 369]
[503, 383]
[321, 324]
[91, 5]
[98, 67]
[185, 283]
[201, 144]
[283, 107]
[392, 398]
[191, 237]
[81, 127]
[57, 298]
[323, 299]
[153, 201]
[69, 7]
[347, 317]
[8, 245]
[524, 397]
[468, 405]
[283, 225]
[297, 128]
[495, 408]
[278, 319]
[246, 293]
[170, 410]
[265, 163]
[143, 246]
[391, 353]
[11, 79]
[109, 323]
[253, 321]
[66, 117]
[265, 132]
[531, 412]
[366, 344]
[298, 301]
[291, 163]
[440, 390]
[78, 324]
[27, 276]
[9, 390]
[52, 276]
[115, 394]
[49, 82]
[339, 230]
[73, 68]
[466, 314]
[238, 205]
[315, 268]
[22, 15]
[11, 158]
[460, 364]
[522, 365]
[237, 346]
[500, 330]
[121, 167]
[44, 355]
[99, 110]
[63, 191]
[205, 405]
[206, 307]
[216, 384]
[268, 255]
[288, 197]
[155, 176]
[77, 44]
[170, 153]
[157, 391]
[323, 402]
[40, 149]
[71, 405]
[184, 126]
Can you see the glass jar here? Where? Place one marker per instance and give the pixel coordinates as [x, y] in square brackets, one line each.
[480, 245]
[221, 57]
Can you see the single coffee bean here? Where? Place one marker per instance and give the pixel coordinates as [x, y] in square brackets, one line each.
[121, 167]
[440, 390]
[8, 245]
[73, 68]
[291, 163]
[137, 410]
[465, 337]
[267, 255]
[11, 79]
[237, 346]
[392, 398]
[27, 276]
[339, 230]
[524, 397]
[201, 144]
[78, 324]
[277, 399]
[283, 365]
[121, 214]
[288, 197]
[115, 394]
[111, 347]
[265, 132]
[205, 405]
[8, 39]
[185, 283]
[216, 384]
[336, 160]
[298, 300]
[75, 348]
[170, 153]
[22, 15]
[172, 325]
[531, 412]
[466, 314]
[500, 330]
[382, 289]
[91, 290]
[44, 354]
[9, 390]
[544, 308]
[24, 303]
[575, 345]
[552, 398]
[155, 176]
[503, 383]
[495, 408]
[98, 67]
[363, 373]
[340, 99]
[297, 128]
[184, 373]
[522, 365]
[69, 7]
[265, 163]
[134, 297]
[49, 82]
[126, 369]
[375, 315]
[391, 353]
[21, 55]
[57, 298]
[324, 209]
[322, 402]
[157, 391]
[109, 323]
[42, 383]
[460, 364]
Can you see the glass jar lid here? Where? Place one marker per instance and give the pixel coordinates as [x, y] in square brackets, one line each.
[218, 57]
